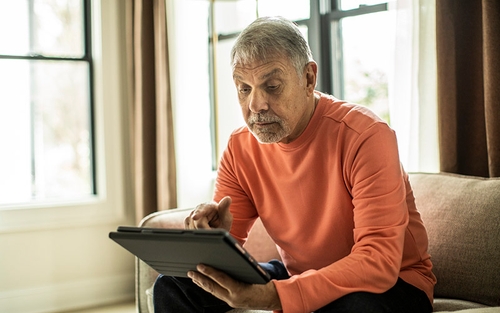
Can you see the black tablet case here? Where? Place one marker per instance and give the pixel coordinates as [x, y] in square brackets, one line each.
[174, 252]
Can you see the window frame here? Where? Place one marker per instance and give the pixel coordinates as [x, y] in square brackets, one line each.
[88, 59]
[109, 202]
[330, 13]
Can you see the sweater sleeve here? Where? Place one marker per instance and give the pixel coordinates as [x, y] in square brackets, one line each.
[227, 184]
[374, 178]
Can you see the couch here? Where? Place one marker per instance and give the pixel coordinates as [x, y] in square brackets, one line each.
[462, 217]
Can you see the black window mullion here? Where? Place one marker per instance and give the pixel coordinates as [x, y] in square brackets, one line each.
[334, 5]
[31, 27]
[315, 41]
[336, 57]
[87, 20]
[38, 57]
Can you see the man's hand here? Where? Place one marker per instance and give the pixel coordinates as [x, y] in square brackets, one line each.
[236, 294]
[210, 215]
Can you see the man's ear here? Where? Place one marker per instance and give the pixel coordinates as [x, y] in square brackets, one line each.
[311, 75]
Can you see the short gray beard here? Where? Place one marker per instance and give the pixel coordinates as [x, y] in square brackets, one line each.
[268, 138]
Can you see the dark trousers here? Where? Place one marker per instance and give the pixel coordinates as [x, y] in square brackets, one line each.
[181, 295]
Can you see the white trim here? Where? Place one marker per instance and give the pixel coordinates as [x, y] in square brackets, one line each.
[69, 296]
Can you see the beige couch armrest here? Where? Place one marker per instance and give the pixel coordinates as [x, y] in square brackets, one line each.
[166, 219]
[144, 274]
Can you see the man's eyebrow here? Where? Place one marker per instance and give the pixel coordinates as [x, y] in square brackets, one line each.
[238, 77]
[274, 72]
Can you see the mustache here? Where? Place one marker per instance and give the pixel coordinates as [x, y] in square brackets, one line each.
[263, 118]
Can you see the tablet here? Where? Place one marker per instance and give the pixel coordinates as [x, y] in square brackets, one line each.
[174, 252]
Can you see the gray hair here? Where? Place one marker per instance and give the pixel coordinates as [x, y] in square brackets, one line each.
[269, 37]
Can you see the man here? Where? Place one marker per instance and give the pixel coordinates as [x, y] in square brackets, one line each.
[324, 177]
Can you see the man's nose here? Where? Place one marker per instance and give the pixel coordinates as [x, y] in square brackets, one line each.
[258, 102]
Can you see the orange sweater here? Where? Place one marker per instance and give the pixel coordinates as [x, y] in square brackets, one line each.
[335, 201]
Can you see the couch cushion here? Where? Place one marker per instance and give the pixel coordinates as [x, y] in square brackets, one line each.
[462, 217]
[481, 310]
[452, 305]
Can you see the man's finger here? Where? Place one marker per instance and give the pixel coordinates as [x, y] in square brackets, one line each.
[225, 217]
[202, 210]
[224, 205]
[220, 278]
[201, 223]
[200, 217]
[208, 284]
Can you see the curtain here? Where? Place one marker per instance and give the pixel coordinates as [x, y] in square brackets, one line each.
[151, 131]
[468, 55]
[412, 86]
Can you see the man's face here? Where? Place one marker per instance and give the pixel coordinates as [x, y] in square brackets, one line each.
[274, 100]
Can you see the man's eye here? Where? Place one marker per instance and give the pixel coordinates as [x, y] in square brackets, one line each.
[273, 87]
[244, 90]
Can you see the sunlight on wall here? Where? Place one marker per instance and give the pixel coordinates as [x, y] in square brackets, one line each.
[188, 44]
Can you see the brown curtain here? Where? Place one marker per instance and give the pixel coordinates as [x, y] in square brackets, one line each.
[468, 57]
[153, 155]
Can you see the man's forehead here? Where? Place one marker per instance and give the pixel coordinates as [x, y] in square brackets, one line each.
[261, 71]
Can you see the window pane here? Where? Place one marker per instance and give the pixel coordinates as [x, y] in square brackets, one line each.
[354, 4]
[15, 132]
[14, 27]
[293, 10]
[234, 16]
[367, 58]
[229, 111]
[44, 27]
[305, 31]
[44, 130]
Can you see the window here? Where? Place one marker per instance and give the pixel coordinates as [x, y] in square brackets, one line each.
[84, 85]
[46, 96]
[203, 92]
[352, 40]
[362, 51]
